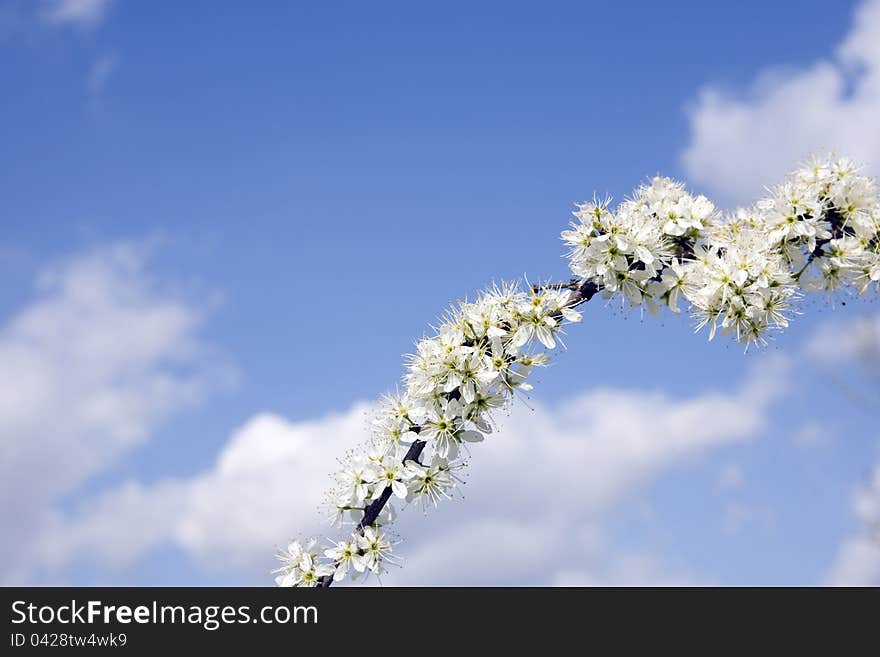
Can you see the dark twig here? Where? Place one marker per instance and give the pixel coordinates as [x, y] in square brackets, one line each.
[839, 228]
[374, 508]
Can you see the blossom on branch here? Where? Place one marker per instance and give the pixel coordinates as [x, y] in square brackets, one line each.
[742, 273]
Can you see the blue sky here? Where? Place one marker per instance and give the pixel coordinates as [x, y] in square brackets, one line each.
[267, 207]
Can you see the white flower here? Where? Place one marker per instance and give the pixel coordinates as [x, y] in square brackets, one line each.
[430, 483]
[342, 554]
[300, 567]
[743, 274]
[391, 474]
[537, 317]
[356, 481]
[443, 425]
[795, 212]
[625, 252]
[466, 375]
[672, 281]
[744, 280]
[375, 550]
[478, 412]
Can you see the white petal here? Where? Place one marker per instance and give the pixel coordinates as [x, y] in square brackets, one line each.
[399, 489]
[571, 315]
[522, 335]
[545, 335]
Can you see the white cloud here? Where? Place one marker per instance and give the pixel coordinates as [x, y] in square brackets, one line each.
[839, 341]
[731, 477]
[836, 344]
[858, 560]
[628, 569]
[557, 549]
[90, 367]
[847, 353]
[100, 73]
[536, 491]
[743, 141]
[738, 517]
[813, 435]
[84, 13]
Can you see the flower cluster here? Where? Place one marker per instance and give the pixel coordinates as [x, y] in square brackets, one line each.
[827, 216]
[741, 282]
[300, 565]
[481, 353]
[626, 251]
[742, 273]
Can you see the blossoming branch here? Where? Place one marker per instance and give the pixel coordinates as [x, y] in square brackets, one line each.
[742, 274]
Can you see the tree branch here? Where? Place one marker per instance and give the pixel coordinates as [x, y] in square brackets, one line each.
[581, 293]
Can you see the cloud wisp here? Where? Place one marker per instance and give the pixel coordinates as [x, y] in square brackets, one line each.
[79, 13]
[741, 140]
[90, 367]
[858, 559]
[100, 73]
[538, 486]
